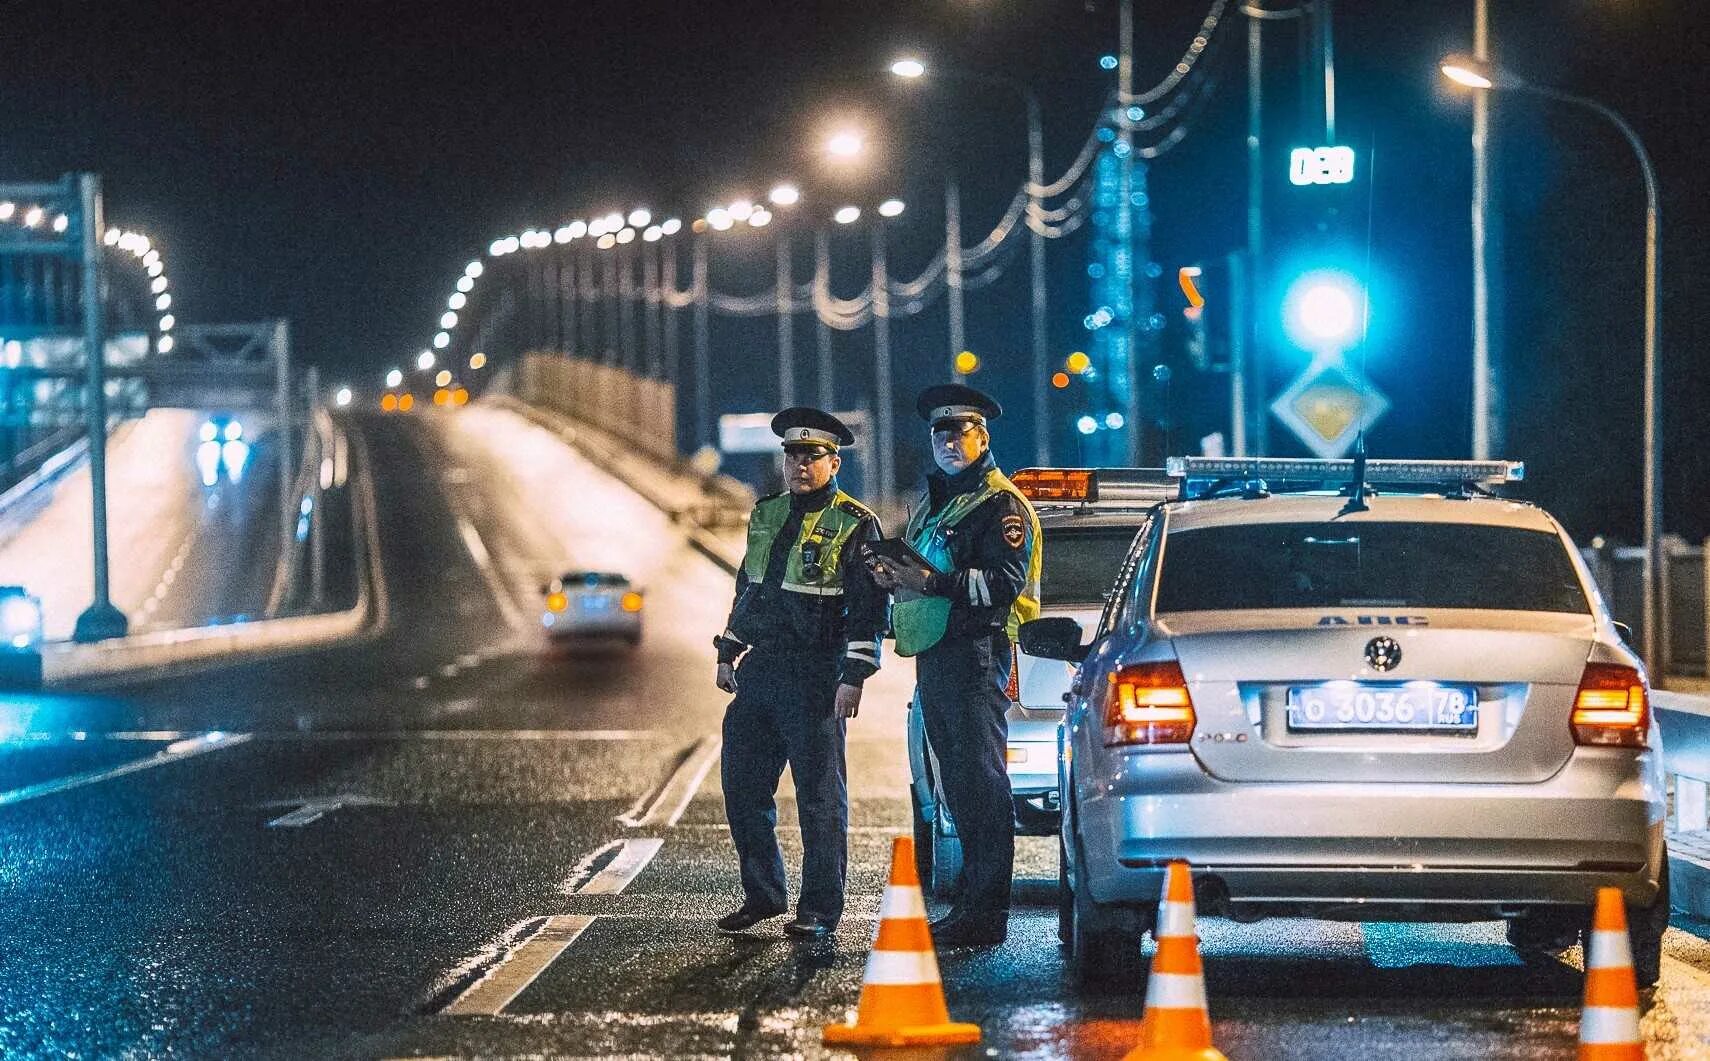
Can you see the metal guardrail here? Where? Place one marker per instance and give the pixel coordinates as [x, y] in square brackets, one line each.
[1684, 719]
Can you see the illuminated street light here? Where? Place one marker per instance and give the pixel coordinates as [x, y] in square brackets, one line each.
[639, 218]
[1086, 425]
[465, 284]
[157, 285]
[719, 218]
[562, 234]
[672, 226]
[1468, 72]
[395, 377]
[626, 235]
[612, 221]
[606, 242]
[33, 217]
[163, 302]
[760, 218]
[448, 319]
[443, 378]
[784, 195]
[597, 227]
[741, 210]
[474, 269]
[891, 208]
[578, 229]
[457, 300]
[424, 360]
[7, 209]
[479, 360]
[847, 215]
[165, 345]
[154, 268]
[341, 397]
[908, 67]
[845, 144]
[167, 322]
[651, 234]
[61, 223]
[441, 340]
[111, 239]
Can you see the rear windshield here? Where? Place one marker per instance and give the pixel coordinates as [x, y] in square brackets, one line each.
[1325, 565]
[593, 579]
[1080, 565]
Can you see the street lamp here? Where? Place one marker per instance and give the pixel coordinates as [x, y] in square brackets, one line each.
[911, 68]
[1484, 77]
[845, 144]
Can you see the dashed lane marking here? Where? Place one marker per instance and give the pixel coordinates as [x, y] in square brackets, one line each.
[632, 856]
[519, 968]
[484, 563]
[181, 749]
[311, 810]
[673, 799]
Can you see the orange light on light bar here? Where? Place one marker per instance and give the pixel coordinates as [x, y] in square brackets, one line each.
[1054, 484]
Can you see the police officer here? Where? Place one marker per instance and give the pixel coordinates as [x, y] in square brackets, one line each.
[960, 618]
[806, 627]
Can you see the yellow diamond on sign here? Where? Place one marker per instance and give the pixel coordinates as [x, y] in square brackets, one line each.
[1327, 405]
[1328, 409]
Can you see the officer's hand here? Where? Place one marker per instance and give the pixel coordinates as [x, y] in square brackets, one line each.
[882, 574]
[727, 677]
[909, 577]
[848, 701]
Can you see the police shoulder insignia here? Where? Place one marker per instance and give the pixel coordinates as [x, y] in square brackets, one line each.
[1014, 531]
[855, 508]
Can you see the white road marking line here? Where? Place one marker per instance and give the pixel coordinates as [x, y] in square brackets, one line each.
[673, 799]
[311, 810]
[632, 857]
[182, 749]
[488, 996]
[484, 563]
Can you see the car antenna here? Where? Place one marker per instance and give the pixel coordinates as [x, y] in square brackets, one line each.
[1356, 489]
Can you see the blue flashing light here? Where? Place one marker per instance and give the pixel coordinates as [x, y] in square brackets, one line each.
[1106, 134]
[1122, 150]
[1136, 113]
[1086, 425]
[1322, 310]
[1107, 62]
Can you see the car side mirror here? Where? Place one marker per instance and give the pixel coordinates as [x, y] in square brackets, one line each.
[1058, 637]
[1625, 631]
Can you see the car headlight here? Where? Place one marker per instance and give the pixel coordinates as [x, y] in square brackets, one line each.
[234, 431]
[20, 621]
[209, 431]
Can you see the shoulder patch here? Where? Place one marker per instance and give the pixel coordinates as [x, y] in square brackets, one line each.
[855, 508]
[1014, 530]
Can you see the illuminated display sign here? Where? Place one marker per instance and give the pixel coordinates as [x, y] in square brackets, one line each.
[1321, 165]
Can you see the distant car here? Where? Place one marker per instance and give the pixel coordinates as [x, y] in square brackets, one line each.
[1390, 699]
[20, 639]
[1088, 517]
[222, 449]
[592, 604]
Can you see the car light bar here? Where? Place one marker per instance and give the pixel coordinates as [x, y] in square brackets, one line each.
[1092, 485]
[1489, 473]
[1611, 707]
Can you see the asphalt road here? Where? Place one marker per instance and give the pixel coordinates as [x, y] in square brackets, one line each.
[367, 851]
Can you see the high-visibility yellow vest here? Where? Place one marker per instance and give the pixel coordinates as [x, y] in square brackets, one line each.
[822, 536]
[920, 623]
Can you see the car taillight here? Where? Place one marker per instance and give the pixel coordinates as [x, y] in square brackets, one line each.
[1148, 703]
[631, 602]
[1612, 706]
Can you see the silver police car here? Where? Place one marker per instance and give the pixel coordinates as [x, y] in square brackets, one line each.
[1368, 694]
[1088, 518]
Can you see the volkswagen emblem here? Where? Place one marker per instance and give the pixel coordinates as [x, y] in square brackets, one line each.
[1383, 653]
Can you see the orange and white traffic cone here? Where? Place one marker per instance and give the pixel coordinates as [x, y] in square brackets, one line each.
[1609, 1024]
[902, 999]
[1177, 1025]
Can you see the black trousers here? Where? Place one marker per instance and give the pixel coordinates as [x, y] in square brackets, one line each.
[784, 713]
[962, 704]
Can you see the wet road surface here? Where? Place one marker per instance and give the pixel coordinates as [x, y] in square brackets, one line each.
[452, 839]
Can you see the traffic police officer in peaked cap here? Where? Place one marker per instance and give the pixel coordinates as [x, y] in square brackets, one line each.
[806, 626]
[960, 618]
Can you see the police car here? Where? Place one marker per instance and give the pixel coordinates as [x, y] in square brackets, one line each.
[592, 604]
[1088, 518]
[20, 639]
[1356, 691]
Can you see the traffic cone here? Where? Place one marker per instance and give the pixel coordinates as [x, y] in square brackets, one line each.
[902, 999]
[1609, 1024]
[1177, 1026]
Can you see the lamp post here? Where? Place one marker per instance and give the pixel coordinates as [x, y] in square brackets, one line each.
[912, 68]
[1485, 78]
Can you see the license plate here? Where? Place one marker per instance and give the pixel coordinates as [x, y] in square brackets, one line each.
[1415, 706]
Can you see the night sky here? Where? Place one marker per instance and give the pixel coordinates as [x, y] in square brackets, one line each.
[336, 165]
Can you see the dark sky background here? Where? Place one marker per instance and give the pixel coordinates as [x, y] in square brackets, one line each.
[336, 165]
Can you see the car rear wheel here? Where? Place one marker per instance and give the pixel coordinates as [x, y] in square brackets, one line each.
[1645, 928]
[1104, 942]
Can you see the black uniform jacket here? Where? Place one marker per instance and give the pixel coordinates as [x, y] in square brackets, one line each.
[988, 548]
